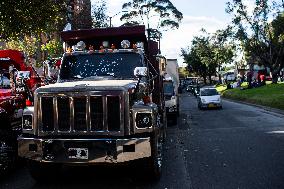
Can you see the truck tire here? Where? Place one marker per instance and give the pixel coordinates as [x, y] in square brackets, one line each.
[8, 153]
[174, 118]
[154, 168]
[165, 126]
[43, 172]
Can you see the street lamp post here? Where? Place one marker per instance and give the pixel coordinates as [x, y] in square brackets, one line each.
[110, 17]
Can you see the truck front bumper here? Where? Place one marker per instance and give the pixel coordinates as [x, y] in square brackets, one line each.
[84, 150]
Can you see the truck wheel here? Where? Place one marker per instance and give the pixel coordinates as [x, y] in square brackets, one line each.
[155, 161]
[8, 154]
[43, 172]
[165, 126]
[174, 118]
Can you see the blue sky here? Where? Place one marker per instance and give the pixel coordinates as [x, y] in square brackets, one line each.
[198, 14]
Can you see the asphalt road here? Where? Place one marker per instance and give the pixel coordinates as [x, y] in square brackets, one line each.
[239, 146]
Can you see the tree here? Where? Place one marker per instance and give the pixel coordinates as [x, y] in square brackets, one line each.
[193, 56]
[223, 50]
[260, 38]
[99, 14]
[161, 12]
[208, 52]
[25, 44]
[26, 17]
[54, 48]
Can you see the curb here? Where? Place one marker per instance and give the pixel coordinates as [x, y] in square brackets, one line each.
[274, 110]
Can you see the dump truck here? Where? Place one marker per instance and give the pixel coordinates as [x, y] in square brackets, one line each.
[107, 106]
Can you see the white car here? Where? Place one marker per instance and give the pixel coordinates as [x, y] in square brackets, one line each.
[209, 98]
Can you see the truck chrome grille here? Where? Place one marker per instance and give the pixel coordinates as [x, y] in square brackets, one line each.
[97, 118]
[113, 109]
[91, 113]
[63, 108]
[48, 116]
[80, 121]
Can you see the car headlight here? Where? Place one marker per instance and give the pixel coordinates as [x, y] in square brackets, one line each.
[203, 100]
[27, 122]
[143, 120]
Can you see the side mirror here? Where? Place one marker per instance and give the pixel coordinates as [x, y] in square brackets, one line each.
[140, 71]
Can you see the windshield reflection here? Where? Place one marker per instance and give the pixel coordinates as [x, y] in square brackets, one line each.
[80, 66]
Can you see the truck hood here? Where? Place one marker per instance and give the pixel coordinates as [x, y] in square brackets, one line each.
[82, 86]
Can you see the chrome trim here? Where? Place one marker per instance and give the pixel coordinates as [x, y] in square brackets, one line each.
[127, 117]
[72, 113]
[152, 109]
[105, 113]
[115, 154]
[124, 127]
[88, 113]
[55, 114]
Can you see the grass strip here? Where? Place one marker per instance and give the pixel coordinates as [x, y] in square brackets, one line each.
[271, 95]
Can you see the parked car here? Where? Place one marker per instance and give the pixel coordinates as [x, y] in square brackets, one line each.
[229, 76]
[192, 83]
[209, 98]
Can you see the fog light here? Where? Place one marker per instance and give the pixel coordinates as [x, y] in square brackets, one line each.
[27, 122]
[32, 147]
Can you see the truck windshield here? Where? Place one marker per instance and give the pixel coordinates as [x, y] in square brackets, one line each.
[168, 88]
[80, 66]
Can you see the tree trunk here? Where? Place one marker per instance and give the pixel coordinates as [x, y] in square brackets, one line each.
[219, 75]
[204, 78]
[210, 79]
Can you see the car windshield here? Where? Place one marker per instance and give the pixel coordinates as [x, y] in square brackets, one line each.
[80, 66]
[208, 92]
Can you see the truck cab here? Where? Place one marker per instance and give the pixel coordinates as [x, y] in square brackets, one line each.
[16, 84]
[171, 99]
[106, 107]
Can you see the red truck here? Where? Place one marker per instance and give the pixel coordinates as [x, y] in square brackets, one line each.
[106, 108]
[15, 91]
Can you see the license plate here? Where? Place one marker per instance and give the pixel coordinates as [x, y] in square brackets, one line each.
[78, 153]
[211, 105]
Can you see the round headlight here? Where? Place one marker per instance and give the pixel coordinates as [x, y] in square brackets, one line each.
[146, 120]
[143, 120]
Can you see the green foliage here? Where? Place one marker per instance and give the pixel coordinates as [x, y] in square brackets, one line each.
[54, 48]
[261, 39]
[99, 14]
[26, 17]
[208, 52]
[161, 12]
[183, 72]
[28, 45]
[269, 95]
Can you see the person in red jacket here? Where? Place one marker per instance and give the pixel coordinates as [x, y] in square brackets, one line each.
[262, 79]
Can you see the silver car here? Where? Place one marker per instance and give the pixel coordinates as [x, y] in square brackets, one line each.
[209, 98]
